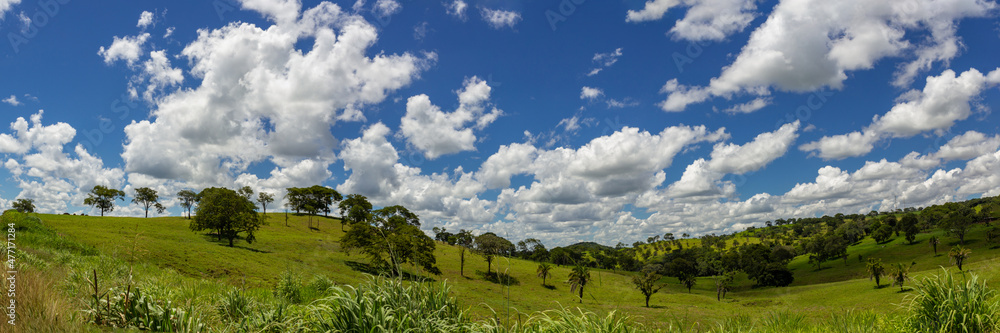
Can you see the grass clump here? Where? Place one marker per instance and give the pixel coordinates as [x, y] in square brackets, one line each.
[943, 304]
[386, 305]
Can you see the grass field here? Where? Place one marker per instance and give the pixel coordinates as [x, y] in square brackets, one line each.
[165, 250]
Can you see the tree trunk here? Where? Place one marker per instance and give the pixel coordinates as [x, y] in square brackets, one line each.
[581, 294]
[231, 241]
[147, 212]
[647, 301]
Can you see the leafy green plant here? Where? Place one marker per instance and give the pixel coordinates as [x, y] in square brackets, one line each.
[943, 304]
[289, 288]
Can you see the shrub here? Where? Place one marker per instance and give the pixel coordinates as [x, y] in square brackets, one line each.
[234, 305]
[945, 305]
[289, 288]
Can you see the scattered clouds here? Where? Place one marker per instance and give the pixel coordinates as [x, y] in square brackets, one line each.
[806, 45]
[499, 19]
[45, 172]
[437, 133]
[751, 106]
[145, 19]
[967, 146]
[6, 5]
[127, 48]
[590, 93]
[384, 8]
[605, 60]
[257, 98]
[704, 20]
[945, 99]
[457, 9]
[12, 100]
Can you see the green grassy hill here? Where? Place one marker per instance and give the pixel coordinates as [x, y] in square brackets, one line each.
[197, 267]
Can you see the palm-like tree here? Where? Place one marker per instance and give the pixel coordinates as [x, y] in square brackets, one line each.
[543, 271]
[900, 274]
[959, 254]
[934, 242]
[875, 270]
[578, 278]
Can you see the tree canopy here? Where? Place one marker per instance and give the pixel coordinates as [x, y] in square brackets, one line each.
[24, 205]
[103, 198]
[391, 238]
[489, 245]
[147, 198]
[187, 198]
[313, 199]
[227, 213]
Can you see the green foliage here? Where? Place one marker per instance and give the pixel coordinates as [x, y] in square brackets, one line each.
[909, 226]
[147, 198]
[234, 305]
[544, 270]
[103, 198]
[264, 199]
[227, 213]
[355, 209]
[875, 270]
[24, 205]
[958, 221]
[187, 198]
[132, 309]
[958, 254]
[489, 245]
[289, 288]
[942, 304]
[647, 284]
[386, 305]
[578, 278]
[900, 274]
[313, 199]
[390, 239]
[882, 234]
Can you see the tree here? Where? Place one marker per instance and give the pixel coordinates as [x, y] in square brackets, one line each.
[959, 254]
[882, 234]
[313, 199]
[909, 226]
[147, 197]
[578, 278]
[875, 270]
[958, 221]
[228, 213]
[264, 198]
[489, 245]
[934, 242]
[543, 271]
[688, 280]
[647, 284]
[391, 238]
[354, 209]
[103, 198]
[899, 274]
[464, 241]
[24, 205]
[723, 283]
[245, 192]
[188, 198]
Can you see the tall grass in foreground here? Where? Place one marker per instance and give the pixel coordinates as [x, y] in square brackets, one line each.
[943, 304]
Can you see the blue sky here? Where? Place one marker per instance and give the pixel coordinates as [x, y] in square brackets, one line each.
[565, 120]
